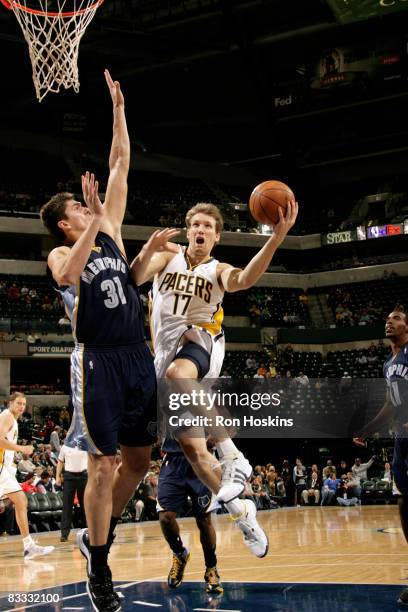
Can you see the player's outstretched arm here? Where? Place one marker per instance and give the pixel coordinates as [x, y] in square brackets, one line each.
[235, 279]
[119, 158]
[58, 475]
[154, 256]
[67, 264]
[383, 417]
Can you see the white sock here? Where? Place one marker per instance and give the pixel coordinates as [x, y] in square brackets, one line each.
[28, 541]
[236, 508]
[226, 447]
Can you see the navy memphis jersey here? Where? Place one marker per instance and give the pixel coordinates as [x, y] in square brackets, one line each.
[395, 372]
[170, 445]
[104, 306]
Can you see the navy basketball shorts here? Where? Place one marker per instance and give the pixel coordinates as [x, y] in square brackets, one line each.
[113, 392]
[400, 465]
[177, 481]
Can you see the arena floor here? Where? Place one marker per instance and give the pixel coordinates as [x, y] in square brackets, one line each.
[324, 559]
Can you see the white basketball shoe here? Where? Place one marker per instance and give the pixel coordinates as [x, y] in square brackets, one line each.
[34, 550]
[254, 536]
[235, 471]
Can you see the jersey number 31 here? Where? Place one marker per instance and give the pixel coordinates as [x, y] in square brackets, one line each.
[114, 290]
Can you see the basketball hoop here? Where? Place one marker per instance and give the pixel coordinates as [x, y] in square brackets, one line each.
[53, 30]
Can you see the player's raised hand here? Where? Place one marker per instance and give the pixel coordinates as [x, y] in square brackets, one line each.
[90, 192]
[115, 90]
[159, 241]
[286, 221]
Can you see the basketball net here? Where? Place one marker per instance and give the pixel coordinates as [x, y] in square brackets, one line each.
[53, 33]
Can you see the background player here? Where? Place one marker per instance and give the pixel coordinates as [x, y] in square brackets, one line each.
[112, 372]
[9, 487]
[177, 481]
[186, 317]
[395, 413]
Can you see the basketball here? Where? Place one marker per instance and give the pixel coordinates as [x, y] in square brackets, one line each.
[266, 199]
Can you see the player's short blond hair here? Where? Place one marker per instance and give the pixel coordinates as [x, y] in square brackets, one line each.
[15, 395]
[206, 209]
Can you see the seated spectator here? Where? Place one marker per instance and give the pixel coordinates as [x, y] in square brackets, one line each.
[312, 492]
[346, 491]
[272, 481]
[258, 471]
[36, 459]
[28, 484]
[255, 312]
[49, 458]
[359, 471]
[262, 500]
[45, 484]
[314, 468]
[329, 489]
[286, 474]
[302, 379]
[248, 492]
[329, 468]
[65, 418]
[26, 466]
[288, 380]
[299, 478]
[262, 371]
[342, 469]
[251, 363]
[272, 370]
[13, 293]
[138, 501]
[387, 474]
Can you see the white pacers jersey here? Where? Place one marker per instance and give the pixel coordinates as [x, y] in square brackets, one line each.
[8, 482]
[7, 456]
[186, 305]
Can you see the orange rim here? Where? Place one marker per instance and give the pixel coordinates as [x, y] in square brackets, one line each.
[10, 4]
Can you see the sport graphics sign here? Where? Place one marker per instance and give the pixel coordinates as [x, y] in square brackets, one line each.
[49, 349]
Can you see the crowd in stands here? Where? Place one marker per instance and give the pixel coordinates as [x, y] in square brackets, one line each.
[321, 390]
[36, 389]
[29, 297]
[271, 306]
[29, 305]
[300, 366]
[154, 198]
[367, 303]
[32, 299]
[270, 487]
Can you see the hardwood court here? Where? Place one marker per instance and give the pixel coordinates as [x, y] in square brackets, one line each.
[307, 545]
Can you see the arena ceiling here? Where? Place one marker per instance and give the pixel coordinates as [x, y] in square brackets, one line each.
[229, 80]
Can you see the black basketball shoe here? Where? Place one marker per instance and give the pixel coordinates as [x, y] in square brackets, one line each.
[403, 599]
[100, 590]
